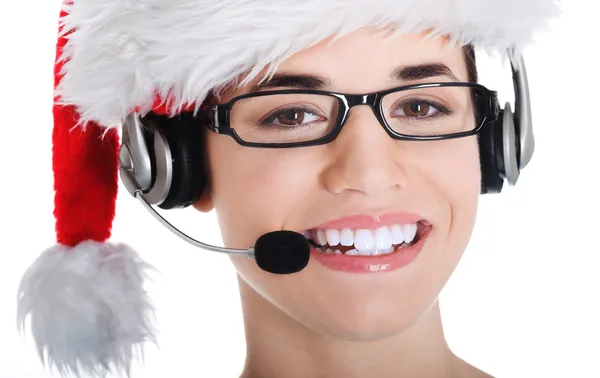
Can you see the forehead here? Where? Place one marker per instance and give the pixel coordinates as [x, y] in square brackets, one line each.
[363, 61]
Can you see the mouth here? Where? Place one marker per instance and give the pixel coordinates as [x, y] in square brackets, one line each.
[383, 240]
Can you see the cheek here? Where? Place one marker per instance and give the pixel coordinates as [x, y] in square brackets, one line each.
[254, 190]
[452, 173]
[447, 176]
[452, 167]
[464, 172]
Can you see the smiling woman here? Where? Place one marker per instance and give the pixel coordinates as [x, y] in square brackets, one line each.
[360, 194]
[349, 129]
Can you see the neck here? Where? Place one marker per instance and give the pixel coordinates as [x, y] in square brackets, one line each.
[279, 346]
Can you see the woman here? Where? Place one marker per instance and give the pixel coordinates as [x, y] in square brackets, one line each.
[365, 187]
[385, 187]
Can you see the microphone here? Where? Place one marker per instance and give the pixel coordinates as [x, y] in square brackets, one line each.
[278, 252]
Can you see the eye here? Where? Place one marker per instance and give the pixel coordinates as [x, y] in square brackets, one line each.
[417, 109]
[291, 117]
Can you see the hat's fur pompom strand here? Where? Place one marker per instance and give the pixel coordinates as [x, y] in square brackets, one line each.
[89, 311]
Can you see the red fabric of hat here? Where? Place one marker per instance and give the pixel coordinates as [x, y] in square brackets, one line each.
[85, 297]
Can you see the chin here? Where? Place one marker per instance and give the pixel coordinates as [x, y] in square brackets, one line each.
[364, 319]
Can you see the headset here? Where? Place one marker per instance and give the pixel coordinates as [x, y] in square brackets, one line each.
[165, 155]
[162, 163]
[506, 145]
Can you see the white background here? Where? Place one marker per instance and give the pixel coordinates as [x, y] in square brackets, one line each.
[522, 303]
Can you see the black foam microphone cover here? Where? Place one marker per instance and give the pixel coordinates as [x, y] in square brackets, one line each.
[282, 252]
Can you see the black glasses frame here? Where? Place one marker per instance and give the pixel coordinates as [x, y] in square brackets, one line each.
[217, 117]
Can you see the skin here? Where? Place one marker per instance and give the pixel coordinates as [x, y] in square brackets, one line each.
[323, 323]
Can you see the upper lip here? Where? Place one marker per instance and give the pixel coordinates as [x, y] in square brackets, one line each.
[363, 221]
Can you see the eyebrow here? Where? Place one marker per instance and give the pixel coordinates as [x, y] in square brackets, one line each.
[402, 73]
[422, 71]
[302, 81]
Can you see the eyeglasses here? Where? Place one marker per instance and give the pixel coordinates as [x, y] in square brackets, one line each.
[299, 118]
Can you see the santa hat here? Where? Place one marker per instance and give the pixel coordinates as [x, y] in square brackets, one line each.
[85, 296]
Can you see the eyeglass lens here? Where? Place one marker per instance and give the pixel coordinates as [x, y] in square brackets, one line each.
[292, 118]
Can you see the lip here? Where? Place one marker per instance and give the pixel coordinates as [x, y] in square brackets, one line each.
[371, 221]
[374, 264]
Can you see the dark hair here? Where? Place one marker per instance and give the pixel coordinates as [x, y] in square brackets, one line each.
[469, 54]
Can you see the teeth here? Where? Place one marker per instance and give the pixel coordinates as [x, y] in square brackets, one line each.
[347, 237]
[363, 240]
[374, 252]
[366, 241]
[409, 231]
[397, 234]
[321, 238]
[383, 238]
[333, 237]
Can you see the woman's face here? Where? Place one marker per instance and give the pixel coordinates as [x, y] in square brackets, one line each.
[362, 172]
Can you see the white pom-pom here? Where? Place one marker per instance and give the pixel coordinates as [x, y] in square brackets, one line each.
[88, 307]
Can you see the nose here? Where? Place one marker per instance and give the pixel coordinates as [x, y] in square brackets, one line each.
[364, 157]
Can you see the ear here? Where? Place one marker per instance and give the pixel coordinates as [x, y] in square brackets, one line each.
[205, 203]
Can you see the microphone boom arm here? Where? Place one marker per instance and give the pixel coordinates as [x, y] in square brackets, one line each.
[249, 252]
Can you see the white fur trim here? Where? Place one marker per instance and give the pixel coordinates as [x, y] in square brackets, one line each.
[121, 53]
[88, 307]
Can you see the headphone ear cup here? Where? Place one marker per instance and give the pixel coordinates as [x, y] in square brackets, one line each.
[510, 147]
[491, 156]
[184, 139]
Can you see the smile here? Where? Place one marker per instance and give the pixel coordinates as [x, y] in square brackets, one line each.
[353, 246]
[363, 242]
